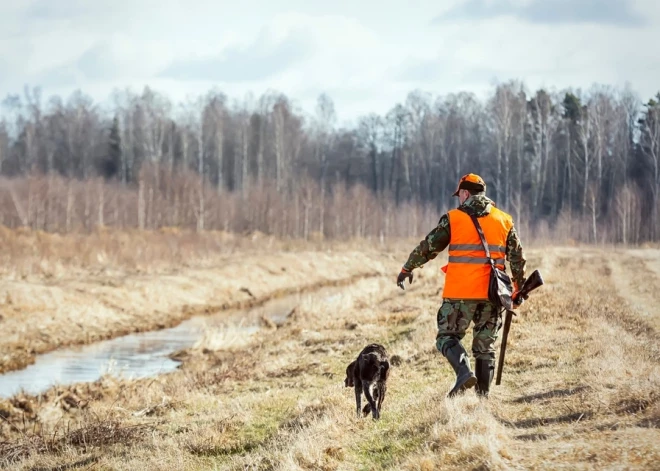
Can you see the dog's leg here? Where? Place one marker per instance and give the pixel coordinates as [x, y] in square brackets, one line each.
[370, 399]
[367, 407]
[382, 387]
[358, 397]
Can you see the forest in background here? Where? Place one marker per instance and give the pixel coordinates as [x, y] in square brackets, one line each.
[568, 165]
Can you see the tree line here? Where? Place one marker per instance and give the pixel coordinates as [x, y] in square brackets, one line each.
[569, 164]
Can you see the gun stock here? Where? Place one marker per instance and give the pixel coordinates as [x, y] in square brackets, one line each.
[534, 281]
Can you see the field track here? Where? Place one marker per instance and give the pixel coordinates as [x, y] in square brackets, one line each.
[580, 388]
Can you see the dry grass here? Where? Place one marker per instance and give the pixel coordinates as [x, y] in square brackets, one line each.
[579, 389]
[38, 254]
[87, 437]
[59, 291]
[591, 397]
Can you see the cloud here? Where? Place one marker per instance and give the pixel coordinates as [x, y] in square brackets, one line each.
[366, 57]
[63, 9]
[551, 56]
[59, 77]
[113, 59]
[99, 61]
[261, 59]
[611, 12]
[119, 56]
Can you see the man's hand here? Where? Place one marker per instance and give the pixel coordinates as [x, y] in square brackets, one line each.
[402, 277]
[517, 302]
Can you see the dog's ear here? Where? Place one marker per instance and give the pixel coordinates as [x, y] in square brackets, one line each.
[386, 370]
[350, 374]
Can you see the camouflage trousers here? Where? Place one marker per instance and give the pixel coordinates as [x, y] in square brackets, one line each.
[454, 317]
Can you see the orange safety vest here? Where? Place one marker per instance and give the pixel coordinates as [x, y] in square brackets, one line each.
[468, 269]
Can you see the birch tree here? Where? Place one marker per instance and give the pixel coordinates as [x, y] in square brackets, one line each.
[503, 107]
[650, 150]
[370, 129]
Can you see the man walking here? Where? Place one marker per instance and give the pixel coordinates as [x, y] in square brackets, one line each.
[465, 295]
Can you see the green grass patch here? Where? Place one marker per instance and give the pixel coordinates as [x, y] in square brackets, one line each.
[384, 450]
[266, 419]
[399, 333]
[402, 430]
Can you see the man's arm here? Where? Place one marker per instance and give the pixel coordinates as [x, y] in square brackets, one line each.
[435, 242]
[516, 257]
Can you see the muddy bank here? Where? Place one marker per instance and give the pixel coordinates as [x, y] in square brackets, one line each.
[38, 315]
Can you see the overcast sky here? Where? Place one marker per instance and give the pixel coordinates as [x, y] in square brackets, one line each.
[367, 54]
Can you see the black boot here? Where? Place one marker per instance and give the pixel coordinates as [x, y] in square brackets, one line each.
[484, 368]
[458, 359]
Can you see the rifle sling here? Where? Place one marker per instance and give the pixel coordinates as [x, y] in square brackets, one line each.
[483, 242]
[482, 237]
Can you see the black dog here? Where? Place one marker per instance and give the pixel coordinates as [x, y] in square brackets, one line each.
[369, 373]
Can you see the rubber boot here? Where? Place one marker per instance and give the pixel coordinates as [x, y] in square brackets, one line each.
[484, 369]
[458, 359]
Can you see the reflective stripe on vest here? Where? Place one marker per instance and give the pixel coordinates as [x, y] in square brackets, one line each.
[468, 268]
[492, 248]
[475, 260]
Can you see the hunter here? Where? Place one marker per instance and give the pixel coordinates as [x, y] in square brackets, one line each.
[465, 295]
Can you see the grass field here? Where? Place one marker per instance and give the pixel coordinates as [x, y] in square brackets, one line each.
[58, 291]
[580, 390]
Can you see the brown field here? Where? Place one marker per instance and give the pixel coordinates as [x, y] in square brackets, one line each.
[58, 291]
[580, 389]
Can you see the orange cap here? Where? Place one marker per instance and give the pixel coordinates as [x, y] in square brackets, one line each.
[471, 181]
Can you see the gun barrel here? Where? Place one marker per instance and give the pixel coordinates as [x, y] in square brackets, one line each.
[534, 281]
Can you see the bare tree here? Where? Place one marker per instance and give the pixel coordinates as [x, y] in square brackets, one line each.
[628, 214]
[397, 129]
[503, 106]
[4, 142]
[205, 165]
[650, 148]
[263, 118]
[279, 112]
[325, 136]
[371, 133]
[212, 126]
[153, 109]
[422, 142]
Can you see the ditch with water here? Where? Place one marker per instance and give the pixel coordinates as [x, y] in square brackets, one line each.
[147, 353]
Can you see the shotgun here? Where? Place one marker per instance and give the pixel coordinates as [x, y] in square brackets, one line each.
[534, 281]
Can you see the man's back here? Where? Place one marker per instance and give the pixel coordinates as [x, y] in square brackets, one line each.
[468, 268]
[465, 295]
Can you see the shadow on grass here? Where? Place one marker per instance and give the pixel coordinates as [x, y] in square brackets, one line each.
[635, 404]
[550, 394]
[64, 467]
[532, 437]
[225, 450]
[542, 421]
[650, 423]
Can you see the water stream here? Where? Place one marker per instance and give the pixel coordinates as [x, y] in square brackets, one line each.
[143, 354]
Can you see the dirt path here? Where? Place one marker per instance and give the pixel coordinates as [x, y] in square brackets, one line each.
[581, 390]
[636, 276]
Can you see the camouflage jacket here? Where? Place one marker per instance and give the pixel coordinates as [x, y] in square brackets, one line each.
[438, 239]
